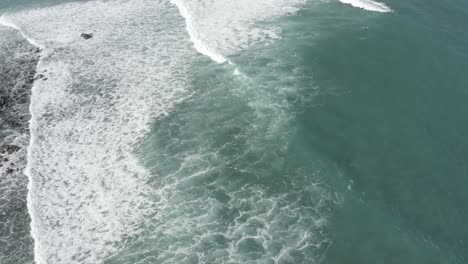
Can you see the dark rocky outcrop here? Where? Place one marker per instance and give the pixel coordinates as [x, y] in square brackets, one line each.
[9, 149]
[87, 35]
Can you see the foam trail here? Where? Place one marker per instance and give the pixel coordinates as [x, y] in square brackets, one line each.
[37, 257]
[368, 5]
[194, 37]
[222, 28]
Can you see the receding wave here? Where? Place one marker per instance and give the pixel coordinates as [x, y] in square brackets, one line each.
[220, 28]
[368, 5]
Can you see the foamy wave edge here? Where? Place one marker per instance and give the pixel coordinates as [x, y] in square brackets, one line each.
[197, 43]
[368, 5]
[7, 23]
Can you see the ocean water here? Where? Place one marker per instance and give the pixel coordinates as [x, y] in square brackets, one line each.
[218, 131]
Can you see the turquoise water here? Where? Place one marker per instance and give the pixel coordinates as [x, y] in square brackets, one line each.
[396, 131]
[340, 141]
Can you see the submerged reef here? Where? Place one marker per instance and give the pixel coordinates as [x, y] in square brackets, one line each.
[17, 75]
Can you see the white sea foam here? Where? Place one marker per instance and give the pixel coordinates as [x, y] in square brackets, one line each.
[219, 28]
[368, 5]
[195, 37]
[7, 23]
[87, 189]
[250, 227]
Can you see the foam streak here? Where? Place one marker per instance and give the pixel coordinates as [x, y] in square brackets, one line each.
[221, 28]
[368, 5]
[194, 36]
[7, 23]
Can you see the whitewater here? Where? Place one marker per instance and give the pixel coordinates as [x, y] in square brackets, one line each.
[97, 102]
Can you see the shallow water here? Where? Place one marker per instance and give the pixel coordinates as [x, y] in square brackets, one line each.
[267, 132]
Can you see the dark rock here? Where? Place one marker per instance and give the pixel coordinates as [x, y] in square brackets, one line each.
[9, 149]
[12, 148]
[86, 35]
[9, 171]
[3, 100]
[39, 76]
[14, 123]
